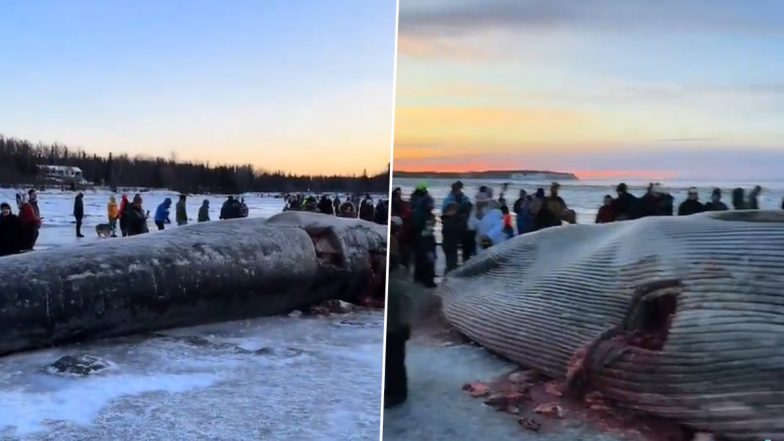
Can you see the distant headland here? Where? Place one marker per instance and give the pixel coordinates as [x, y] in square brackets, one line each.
[490, 174]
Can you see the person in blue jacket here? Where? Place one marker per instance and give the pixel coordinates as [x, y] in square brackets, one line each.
[162, 213]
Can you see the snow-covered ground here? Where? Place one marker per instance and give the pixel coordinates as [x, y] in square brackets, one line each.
[320, 379]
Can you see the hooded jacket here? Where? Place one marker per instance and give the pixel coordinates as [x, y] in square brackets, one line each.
[204, 212]
[78, 211]
[162, 212]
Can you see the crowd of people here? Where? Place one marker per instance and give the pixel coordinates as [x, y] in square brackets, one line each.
[353, 207]
[19, 232]
[468, 227]
[658, 202]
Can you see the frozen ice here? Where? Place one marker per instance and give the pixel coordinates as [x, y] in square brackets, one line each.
[318, 380]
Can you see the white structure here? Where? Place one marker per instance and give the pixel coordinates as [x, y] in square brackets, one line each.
[61, 172]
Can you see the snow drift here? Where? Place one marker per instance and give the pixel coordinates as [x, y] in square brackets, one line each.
[681, 317]
[200, 273]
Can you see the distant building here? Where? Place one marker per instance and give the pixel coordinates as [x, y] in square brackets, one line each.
[62, 174]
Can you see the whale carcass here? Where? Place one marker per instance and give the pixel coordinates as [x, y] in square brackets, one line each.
[678, 317]
[200, 273]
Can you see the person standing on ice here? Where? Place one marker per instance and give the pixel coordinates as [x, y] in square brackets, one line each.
[123, 218]
[136, 219]
[31, 223]
[114, 213]
[162, 214]
[204, 211]
[78, 213]
[10, 229]
[181, 214]
[32, 198]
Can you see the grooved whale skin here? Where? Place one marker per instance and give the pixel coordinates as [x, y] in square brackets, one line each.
[541, 298]
[199, 273]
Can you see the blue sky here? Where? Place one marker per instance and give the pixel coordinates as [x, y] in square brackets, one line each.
[304, 86]
[592, 86]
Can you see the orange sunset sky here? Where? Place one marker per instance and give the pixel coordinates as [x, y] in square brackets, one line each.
[591, 87]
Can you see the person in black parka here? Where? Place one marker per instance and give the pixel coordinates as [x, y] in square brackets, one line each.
[10, 231]
[78, 213]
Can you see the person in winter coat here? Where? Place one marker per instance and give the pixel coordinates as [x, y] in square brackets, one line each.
[78, 213]
[113, 212]
[490, 227]
[739, 199]
[452, 234]
[382, 212]
[606, 212]
[367, 210]
[552, 212]
[692, 205]
[518, 210]
[31, 223]
[716, 204]
[347, 210]
[243, 208]
[754, 198]
[180, 212]
[32, 198]
[162, 214]
[336, 205]
[123, 220]
[325, 205]
[425, 252]
[508, 228]
[10, 231]
[232, 209]
[204, 211]
[399, 305]
[624, 205]
[136, 218]
[455, 196]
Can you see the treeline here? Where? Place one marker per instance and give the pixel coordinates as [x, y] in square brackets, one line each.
[19, 160]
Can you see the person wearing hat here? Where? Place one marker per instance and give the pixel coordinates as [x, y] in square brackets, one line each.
[136, 219]
[10, 231]
[716, 204]
[204, 211]
[692, 204]
[416, 196]
[398, 329]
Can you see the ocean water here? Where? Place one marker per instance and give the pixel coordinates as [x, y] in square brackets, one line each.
[586, 196]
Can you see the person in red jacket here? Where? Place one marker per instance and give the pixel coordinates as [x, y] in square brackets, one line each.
[31, 223]
[122, 217]
[606, 213]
